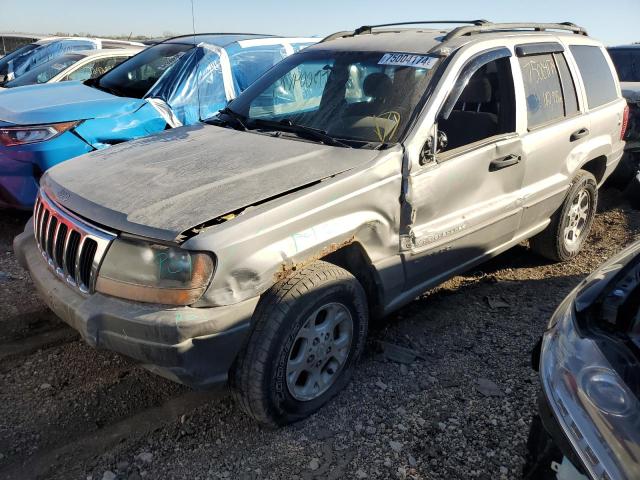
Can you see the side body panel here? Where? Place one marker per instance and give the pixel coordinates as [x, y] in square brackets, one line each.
[266, 242]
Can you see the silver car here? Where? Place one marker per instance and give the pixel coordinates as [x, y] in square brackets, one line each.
[347, 180]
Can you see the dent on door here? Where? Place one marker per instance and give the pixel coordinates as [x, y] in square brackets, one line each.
[466, 204]
[467, 193]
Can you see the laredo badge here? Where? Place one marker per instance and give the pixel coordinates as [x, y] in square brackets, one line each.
[408, 60]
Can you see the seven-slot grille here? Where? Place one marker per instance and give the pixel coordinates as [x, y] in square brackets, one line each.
[72, 248]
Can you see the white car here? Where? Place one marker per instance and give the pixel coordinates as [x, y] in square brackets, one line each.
[78, 66]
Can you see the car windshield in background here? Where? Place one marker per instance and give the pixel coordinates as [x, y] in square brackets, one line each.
[354, 97]
[46, 71]
[134, 77]
[4, 61]
[627, 62]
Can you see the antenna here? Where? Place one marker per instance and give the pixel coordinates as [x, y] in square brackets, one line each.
[193, 22]
[193, 26]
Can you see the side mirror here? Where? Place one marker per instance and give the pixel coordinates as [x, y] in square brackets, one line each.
[428, 153]
[443, 141]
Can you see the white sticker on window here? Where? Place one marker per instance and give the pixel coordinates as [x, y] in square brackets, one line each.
[408, 60]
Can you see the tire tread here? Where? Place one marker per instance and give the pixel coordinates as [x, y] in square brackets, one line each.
[247, 377]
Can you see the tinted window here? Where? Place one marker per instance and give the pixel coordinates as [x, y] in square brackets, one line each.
[627, 62]
[596, 75]
[543, 89]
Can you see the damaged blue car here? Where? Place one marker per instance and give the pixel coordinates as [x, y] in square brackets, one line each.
[180, 81]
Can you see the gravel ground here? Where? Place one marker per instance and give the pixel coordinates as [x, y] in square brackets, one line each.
[461, 410]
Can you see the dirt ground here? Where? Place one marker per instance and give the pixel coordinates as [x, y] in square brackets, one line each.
[461, 411]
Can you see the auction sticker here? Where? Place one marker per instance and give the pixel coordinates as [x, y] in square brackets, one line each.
[408, 60]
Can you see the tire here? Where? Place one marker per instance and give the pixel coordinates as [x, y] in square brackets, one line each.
[268, 380]
[552, 242]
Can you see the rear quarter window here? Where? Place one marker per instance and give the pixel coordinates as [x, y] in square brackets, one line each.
[549, 88]
[598, 80]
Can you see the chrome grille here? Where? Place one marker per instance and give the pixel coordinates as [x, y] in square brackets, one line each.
[72, 248]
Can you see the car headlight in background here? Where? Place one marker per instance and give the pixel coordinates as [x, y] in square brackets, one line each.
[152, 273]
[10, 136]
[593, 405]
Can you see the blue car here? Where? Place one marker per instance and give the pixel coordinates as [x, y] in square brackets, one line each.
[180, 81]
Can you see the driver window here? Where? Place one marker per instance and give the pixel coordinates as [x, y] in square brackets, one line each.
[484, 109]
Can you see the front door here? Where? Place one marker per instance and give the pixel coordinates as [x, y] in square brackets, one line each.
[465, 202]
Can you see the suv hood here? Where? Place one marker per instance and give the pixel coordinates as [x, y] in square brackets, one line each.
[60, 102]
[163, 185]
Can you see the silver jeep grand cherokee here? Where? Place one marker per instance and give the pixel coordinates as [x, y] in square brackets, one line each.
[347, 180]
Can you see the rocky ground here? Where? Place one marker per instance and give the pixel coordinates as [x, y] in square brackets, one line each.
[460, 410]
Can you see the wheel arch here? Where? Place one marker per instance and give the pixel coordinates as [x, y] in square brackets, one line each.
[597, 166]
[354, 259]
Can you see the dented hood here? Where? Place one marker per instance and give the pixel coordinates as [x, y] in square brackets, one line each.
[60, 102]
[163, 185]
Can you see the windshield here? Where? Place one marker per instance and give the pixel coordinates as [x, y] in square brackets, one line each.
[134, 77]
[359, 96]
[46, 71]
[4, 61]
[627, 62]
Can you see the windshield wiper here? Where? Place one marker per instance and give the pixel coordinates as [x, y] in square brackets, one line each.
[287, 125]
[231, 117]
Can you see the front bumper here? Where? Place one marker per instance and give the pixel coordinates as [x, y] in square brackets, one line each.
[193, 346]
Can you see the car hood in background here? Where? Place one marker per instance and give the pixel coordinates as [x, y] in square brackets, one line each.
[163, 185]
[60, 102]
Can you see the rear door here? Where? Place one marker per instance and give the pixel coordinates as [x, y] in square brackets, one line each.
[556, 129]
[603, 99]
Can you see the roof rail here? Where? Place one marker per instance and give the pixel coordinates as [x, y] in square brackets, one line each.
[497, 27]
[369, 28]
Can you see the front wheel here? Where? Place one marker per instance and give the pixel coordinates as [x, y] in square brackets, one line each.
[309, 331]
[571, 223]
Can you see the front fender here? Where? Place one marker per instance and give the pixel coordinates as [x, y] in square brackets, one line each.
[267, 243]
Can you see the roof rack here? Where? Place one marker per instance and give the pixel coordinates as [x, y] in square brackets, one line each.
[369, 28]
[497, 27]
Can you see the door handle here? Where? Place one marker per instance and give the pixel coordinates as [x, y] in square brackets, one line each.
[583, 132]
[505, 162]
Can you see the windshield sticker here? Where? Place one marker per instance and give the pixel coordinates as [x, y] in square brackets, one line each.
[408, 60]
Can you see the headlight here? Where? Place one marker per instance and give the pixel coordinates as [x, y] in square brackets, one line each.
[10, 136]
[154, 273]
[593, 405]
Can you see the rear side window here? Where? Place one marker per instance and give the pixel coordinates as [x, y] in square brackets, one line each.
[549, 88]
[596, 75]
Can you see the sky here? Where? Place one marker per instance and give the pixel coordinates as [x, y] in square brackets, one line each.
[611, 21]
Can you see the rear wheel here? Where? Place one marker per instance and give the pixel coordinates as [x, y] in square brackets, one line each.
[570, 225]
[309, 332]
